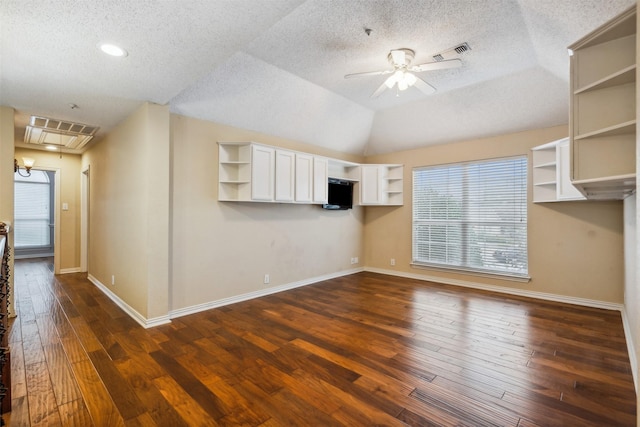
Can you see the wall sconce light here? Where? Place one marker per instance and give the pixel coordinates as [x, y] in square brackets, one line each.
[28, 164]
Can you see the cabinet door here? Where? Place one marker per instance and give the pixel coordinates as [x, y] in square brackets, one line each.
[262, 173]
[371, 185]
[320, 180]
[304, 178]
[565, 190]
[285, 175]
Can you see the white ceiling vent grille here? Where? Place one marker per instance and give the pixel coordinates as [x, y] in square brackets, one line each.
[464, 47]
[452, 53]
[45, 131]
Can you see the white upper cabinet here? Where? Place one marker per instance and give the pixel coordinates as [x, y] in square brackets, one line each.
[285, 175]
[252, 172]
[371, 185]
[262, 173]
[320, 180]
[381, 185]
[304, 178]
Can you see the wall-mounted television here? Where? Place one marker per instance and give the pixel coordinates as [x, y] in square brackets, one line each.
[340, 194]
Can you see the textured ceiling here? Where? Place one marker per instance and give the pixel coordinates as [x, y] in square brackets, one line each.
[278, 66]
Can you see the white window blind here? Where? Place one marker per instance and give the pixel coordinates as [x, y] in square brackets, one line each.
[32, 211]
[472, 216]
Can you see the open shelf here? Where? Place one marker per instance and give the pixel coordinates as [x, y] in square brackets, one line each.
[619, 129]
[622, 77]
[603, 109]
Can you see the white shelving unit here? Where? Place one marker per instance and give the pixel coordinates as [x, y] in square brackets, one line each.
[603, 117]
[543, 171]
[234, 174]
[253, 172]
[550, 166]
[381, 185]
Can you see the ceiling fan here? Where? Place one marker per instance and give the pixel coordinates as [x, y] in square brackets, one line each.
[402, 74]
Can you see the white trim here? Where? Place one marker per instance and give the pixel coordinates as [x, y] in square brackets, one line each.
[472, 272]
[631, 348]
[143, 321]
[500, 289]
[57, 184]
[256, 294]
[70, 270]
[34, 255]
[84, 217]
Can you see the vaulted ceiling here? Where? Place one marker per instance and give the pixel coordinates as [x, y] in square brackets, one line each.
[278, 66]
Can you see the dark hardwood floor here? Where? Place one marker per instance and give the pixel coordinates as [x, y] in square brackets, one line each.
[362, 350]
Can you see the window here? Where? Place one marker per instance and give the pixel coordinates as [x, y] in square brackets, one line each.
[33, 214]
[472, 216]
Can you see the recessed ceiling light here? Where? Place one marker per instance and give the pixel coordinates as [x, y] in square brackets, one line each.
[113, 50]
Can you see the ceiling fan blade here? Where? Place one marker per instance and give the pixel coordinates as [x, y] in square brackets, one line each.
[378, 91]
[398, 56]
[437, 65]
[368, 73]
[424, 87]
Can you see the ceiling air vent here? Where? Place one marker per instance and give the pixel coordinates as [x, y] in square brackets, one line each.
[452, 53]
[45, 131]
[460, 49]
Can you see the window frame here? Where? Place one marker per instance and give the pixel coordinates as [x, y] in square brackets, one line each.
[520, 231]
[29, 251]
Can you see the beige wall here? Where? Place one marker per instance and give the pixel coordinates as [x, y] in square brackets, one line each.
[575, 248]
[129, 210]
[67, 168]
[7, 135]
[224, 249]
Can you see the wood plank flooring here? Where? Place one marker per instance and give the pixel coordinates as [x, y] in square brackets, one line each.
[362, 350]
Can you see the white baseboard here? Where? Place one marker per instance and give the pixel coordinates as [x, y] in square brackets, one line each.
[256, 294]
[631, 348]
[70, 270]
[143, 321]
[519, 292]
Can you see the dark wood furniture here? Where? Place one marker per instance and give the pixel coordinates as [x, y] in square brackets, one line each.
[5, 356]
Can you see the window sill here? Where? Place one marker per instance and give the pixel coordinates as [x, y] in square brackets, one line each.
[471, 272]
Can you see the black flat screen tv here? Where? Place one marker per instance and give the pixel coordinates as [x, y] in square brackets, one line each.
[340, 195]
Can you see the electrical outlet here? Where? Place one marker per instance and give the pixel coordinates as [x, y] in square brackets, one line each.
[267, 279]
[393, 261]
[355, 260]
[113, 280]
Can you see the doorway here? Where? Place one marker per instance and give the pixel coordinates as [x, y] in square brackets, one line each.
[37, 227]
[34, 214]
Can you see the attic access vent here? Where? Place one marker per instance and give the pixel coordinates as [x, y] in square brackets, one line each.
[42, 130]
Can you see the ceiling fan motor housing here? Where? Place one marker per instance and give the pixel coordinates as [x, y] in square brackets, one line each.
[400, 58]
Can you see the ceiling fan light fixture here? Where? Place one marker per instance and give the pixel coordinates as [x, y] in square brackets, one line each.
[410, 79]
[391, 80]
